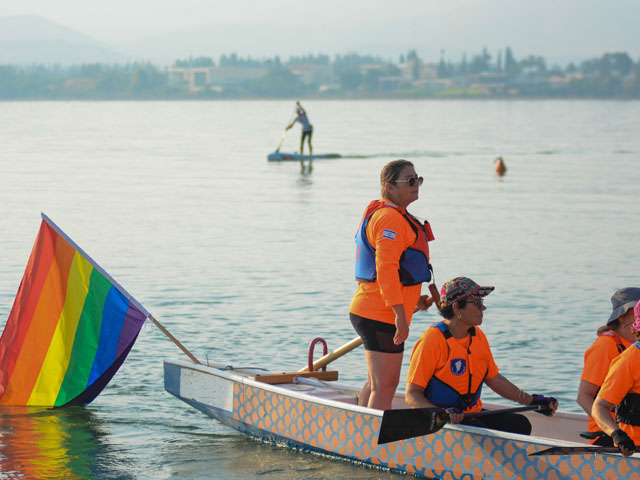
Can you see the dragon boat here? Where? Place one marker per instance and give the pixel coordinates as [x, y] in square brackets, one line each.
[311, 411]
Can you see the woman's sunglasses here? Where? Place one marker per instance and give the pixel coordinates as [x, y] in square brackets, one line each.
[411, 181]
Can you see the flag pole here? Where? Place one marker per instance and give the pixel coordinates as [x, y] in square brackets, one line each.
[174, 339]
[120, 288]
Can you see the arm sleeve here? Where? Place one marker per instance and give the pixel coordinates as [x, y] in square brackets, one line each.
[597, 359]
[619, 380]
[425, 358]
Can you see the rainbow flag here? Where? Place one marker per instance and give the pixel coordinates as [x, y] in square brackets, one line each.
[70, 328]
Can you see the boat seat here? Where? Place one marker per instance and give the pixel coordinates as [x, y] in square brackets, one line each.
[287, 377]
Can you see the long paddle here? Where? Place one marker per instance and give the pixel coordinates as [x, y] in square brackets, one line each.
[337, 353]
[285, 132]
[400, 424]
[575, 450]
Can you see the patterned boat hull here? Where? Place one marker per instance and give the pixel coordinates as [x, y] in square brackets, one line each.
[326, 420]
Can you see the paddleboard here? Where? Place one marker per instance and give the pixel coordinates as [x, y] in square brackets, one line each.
[284, 156]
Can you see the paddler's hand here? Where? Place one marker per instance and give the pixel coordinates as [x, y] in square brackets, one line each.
[549, 404]
[623, 442]
[455, 415]
[424, 303]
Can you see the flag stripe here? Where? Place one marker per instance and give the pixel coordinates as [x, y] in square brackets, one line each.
[56, 361]
[133, 321]
[25, 303]
[42, 327]
[113, 321]
[85, 343]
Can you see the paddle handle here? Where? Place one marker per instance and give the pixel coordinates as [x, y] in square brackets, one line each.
[337, 353]
[435, 295]
[174, 340]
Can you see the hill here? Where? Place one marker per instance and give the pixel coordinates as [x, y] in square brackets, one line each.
[29, 39]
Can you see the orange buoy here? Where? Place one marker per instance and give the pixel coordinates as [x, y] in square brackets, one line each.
[501, 168]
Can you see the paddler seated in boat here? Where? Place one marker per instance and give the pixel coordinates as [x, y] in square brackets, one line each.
[307, 128]
[392, 262]
[613, 339]
[452, 360]
[621, 389]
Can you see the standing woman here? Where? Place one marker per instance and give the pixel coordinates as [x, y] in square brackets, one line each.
[392, 262]
[613, 338]
[307, 128]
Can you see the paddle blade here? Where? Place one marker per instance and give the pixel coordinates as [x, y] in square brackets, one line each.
[574, 450]
[405, 423]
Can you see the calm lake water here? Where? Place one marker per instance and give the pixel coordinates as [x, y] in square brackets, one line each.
[246, 262]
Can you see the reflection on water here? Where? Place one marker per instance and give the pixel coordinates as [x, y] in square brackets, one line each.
[69, 443]
[306, 168]
[192, 458]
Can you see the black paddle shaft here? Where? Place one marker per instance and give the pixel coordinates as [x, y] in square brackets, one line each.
[400, 424]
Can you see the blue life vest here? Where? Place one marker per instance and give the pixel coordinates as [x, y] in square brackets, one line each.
[414, 261]
[439, 391]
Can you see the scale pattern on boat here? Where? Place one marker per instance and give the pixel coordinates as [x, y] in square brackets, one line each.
[448, 454]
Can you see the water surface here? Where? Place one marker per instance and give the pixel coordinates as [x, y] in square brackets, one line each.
[246, 262]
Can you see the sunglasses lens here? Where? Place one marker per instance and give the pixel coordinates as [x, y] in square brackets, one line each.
[412, 181]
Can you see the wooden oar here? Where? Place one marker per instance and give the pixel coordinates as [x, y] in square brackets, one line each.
[574, 450]
[337, 353]
[400, 424]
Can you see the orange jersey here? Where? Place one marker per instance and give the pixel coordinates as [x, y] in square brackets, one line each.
[442, 365]
[390, 234]
[623, 378]
[597, 360]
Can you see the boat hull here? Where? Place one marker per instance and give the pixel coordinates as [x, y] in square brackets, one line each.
[296, 157]
[313, 420]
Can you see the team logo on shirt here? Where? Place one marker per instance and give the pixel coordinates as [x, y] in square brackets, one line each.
[390, 234]
[458, 366]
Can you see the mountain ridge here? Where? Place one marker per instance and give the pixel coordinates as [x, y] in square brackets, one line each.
[30, 39]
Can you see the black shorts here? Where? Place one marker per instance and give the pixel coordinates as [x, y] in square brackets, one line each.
[376, 336]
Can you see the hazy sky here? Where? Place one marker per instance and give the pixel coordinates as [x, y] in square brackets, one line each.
[556, 29]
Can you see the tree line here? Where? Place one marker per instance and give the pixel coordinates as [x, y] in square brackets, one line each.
[612, 75]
